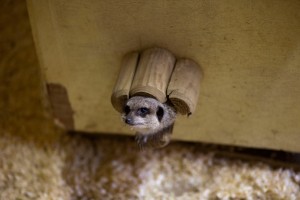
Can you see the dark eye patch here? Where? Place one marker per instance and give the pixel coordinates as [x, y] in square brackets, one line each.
[126, 110]
[160, 113]
[143, 111]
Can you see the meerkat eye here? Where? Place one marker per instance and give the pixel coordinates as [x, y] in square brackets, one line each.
[143, 111]
[126, 110]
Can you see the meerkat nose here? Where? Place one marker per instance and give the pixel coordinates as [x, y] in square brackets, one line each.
[129, 121]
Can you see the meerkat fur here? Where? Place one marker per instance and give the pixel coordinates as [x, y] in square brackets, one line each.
[152, 120]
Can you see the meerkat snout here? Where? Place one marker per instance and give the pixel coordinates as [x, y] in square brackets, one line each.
[128, 121]
[150, 118]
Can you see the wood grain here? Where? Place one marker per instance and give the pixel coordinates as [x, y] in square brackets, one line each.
[183, 89]
[153, 73]
[123, 84]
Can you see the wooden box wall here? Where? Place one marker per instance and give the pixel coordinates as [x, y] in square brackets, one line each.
[249, 52]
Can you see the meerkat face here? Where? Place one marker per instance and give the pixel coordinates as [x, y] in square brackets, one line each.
[143, 114]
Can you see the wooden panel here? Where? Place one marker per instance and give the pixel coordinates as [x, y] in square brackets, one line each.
[249, 52]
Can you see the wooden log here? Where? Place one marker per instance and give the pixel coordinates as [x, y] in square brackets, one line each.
[121, 90]
[153, 74]
[183, 89]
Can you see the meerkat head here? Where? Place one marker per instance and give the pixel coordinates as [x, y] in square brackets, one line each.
[143, 113]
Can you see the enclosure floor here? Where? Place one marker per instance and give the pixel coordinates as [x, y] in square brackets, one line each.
[39, 161]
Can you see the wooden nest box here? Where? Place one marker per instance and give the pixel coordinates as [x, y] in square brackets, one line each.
[248, 51]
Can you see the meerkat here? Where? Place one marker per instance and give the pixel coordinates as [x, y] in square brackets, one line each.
[152, 120]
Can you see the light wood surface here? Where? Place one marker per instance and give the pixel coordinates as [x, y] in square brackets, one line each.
[123, 84]
[183, 89]
[153, 73]
[248, 50]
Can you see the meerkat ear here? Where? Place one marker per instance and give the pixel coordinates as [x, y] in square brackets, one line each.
[160, 113]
